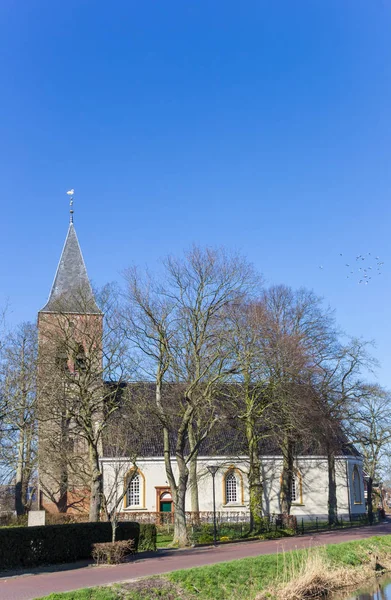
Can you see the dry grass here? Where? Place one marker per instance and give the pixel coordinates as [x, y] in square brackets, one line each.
[312, 575]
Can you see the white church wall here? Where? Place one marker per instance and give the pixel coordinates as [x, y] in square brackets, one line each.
[311, 485]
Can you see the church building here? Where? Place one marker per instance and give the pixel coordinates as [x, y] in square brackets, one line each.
[70, 327]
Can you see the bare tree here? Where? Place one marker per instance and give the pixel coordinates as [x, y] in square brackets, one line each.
[248, 395]
[18, 389]
[79, 358]
[121, 448]
[296, 334]
[371, 428]
[182, 328]
[336, 384]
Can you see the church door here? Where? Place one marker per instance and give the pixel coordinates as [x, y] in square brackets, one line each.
[164, 504]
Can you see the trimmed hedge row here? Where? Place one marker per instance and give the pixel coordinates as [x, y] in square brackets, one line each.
[147, 537]
[33, 546]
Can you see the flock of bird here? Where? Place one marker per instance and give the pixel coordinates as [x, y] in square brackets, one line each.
[371, 266]
[363, 268]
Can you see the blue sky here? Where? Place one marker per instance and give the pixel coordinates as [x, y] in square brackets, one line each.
[262, 126]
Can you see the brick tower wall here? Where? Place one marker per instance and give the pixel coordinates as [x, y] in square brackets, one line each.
[69, 369]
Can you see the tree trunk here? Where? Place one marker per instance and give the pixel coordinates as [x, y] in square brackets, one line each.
[19, 507]
[332, 500]
[96, 484]
[62, 503]
[180, 530]
[254, 479]
[114, 523]
[178, 490]
[27, 468]
[193, 479]
[286, 476]
[369, 499]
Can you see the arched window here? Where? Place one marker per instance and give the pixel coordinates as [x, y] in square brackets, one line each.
[62, 359]
[357, 498]
[294, 490]
[296, 487]
[134, 489]
[80, 358]
[233, 487]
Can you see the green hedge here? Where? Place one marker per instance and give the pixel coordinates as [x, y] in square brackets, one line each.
[147, 537]
[32, 546]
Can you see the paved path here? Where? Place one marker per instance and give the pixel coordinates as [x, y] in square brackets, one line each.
[80, 575]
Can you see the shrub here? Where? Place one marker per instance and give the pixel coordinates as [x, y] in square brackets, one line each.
[275, 535]
[32, 546]
[147, 538]
[112, 553]
[65, 518]
[13, 520]
[205, 538]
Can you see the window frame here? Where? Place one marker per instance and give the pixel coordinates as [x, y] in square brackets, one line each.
[131, 474]
[80, 359]
[356, 477]
[239, 487]
[299, 488]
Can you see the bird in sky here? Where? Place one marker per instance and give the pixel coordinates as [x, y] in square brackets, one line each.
[71, 192]
[362, 274]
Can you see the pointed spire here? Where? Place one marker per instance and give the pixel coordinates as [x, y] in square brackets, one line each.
[71, 291]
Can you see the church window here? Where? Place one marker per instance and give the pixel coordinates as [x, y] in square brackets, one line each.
[80, 360]
[294, 489]
[297, 488]
[62, 359]
[356, 486]
[133, 491]
[231, 488]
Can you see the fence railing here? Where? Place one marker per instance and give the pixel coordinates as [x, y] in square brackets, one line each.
[313, 525]
[273, 522]
[207, 517]
[192, 518]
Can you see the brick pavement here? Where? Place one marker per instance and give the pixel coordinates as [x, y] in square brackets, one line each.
[42, 582]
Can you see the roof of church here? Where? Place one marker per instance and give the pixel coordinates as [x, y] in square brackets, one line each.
[71, 290]
[133, 429]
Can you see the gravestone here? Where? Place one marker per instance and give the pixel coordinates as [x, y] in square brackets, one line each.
[36, 517]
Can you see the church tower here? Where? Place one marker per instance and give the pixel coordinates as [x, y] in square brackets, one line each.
[69, 365]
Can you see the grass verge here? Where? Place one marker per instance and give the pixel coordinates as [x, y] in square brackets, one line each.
[285, 576]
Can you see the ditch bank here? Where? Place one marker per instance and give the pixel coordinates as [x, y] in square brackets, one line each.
[298, 574]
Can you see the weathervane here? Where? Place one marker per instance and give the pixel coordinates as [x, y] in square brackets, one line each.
[71, 193]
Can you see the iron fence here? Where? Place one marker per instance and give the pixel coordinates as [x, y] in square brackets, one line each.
[236, 525]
